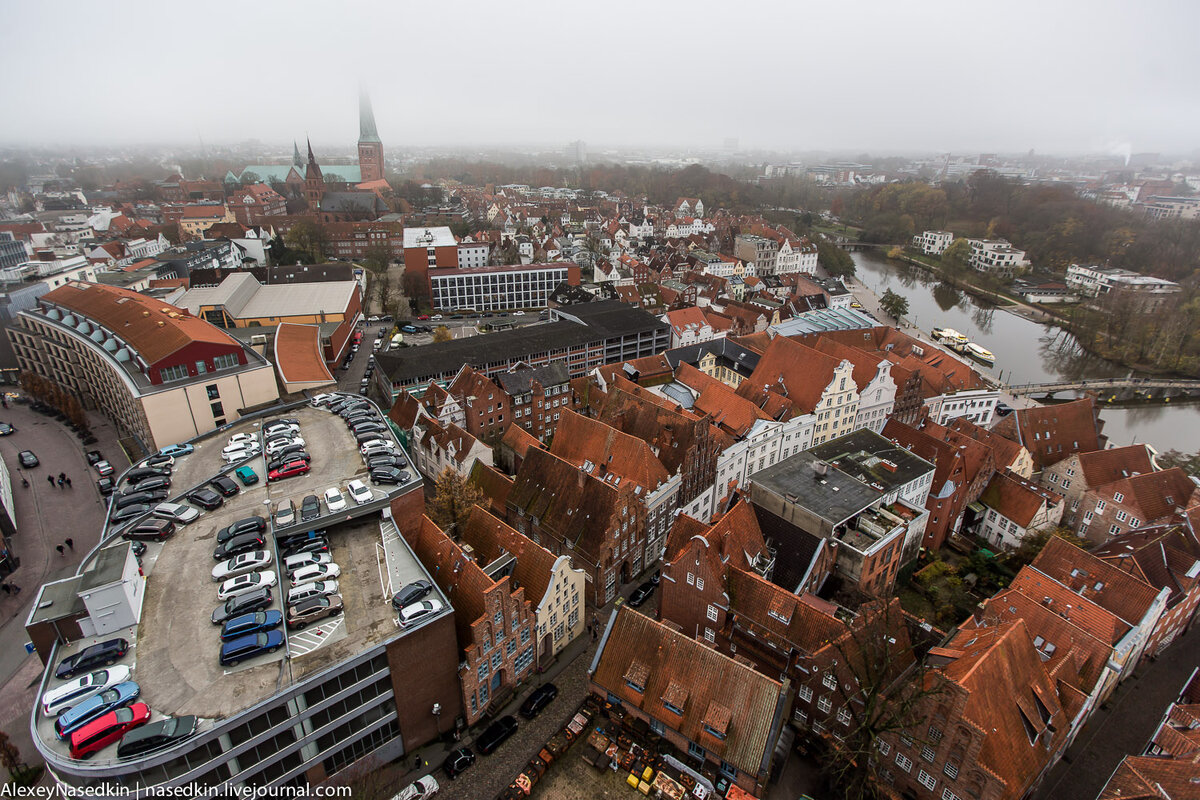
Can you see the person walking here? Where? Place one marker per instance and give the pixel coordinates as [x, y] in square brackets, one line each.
[51, 479]
[62, 476]
[71, 544]
[60, 550]
[68, 483]
[61, 482]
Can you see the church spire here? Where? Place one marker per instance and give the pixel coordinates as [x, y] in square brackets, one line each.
[311, 157]
[297, 161]
[366, 119]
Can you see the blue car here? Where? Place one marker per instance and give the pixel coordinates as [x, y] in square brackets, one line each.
[251, 623]
[176, 450]
[95, 707]
[249, 646]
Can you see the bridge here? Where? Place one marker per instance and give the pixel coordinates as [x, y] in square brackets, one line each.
[1098, 384]
[852, 246]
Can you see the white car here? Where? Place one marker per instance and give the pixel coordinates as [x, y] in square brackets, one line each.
[283, 444]
[176, 513]
[239, 438]
[315, 572]
[360, 492]
[72, 693]
[303, 591]
[518, 313]
[240, 455]
[240, 564]
[322, 400]
[247, 582]
[280, 428]
[293, 563]
[422, 788]
[365, 446]
[411, 613]
[246, 445]
[334, 500]
[436, 316]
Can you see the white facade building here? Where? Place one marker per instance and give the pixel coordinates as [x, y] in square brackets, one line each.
[796, 256]
[975, 405]
[933, 243]
[996, 257]
[473, 254]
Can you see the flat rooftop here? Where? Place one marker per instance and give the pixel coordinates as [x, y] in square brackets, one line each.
[176, 645]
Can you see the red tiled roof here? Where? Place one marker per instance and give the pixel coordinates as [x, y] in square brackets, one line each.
[1157, 495]
[792, 370]
[1162, 556]
[1052, 433]
[1105, 466]
[1083, 613]
[298, 355]
[600, 449]
[494, 484]
[491, 539]
[1126, 596]
[728, 410]
[1006, 451]
[783, 618]
[1016, 498]
[519, 440]
[462, 580]
[405, 411]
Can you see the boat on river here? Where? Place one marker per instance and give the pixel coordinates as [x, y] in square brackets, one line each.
[949, 336]
[979, 353]
[961, 344]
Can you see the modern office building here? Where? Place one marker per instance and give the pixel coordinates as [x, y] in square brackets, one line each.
[499, 288]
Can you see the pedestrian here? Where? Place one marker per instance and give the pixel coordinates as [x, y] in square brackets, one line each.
[62, 476]
[68, 483]
[60, 550]
[51, 479]
[16, 589]
[24, 481]
[61, 482]
[71, 544]
[417, 763]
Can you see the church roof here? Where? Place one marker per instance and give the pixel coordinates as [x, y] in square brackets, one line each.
[366, 120]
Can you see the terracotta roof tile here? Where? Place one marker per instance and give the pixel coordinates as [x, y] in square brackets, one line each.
[519, 440]
[1081, 612]
[1105, 466]
[1052, 433]
[298, 354]
[1126, 596]
[462, 580]
[494, 484]
[793, 370]
[1159, 496]
[601, 449]
[491, 539]
[1016, 498]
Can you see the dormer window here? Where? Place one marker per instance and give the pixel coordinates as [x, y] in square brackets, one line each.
[674, 698]
[636, 676]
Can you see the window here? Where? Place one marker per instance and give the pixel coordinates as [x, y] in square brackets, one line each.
[829, 681]
[483, 695]
[1114, 529]
[1100, 506]
[949, 795]
[712, 612]
[904, 762]
[213, 392]
[483, 671]
[1122, 516]
[173, 373]
[935, 734]
[218, 410]
[843, 715]
[699, 582]
[200, 368]
[883, 746]
[497, 659]
[524, 660]
[951, 770]
[824, 703]
[695, 750]
[806, 694]
[926, 780]
[691, 579]
[1134, 522]
[928, 754]
[226, 361]
[1118, 498]
[512, 647]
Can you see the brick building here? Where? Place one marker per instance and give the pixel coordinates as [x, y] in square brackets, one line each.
[1155, 498]
[1016, 508]
[538, 396]
[251, 205]
[354, 241]
[1076, 475]
[1056, 432]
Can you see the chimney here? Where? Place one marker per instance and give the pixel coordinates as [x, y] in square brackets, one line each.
[579, 474]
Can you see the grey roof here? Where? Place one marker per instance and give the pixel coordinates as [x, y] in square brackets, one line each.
[827, 319]
[678, 393]
[612, 318]
[730, 354]
[352, 202]
[108, 567]
[244, 297]
[834, 496]
[870, 457]
[519, 381]
[58, 600]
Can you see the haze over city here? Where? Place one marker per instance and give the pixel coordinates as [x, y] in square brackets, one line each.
[940, 76]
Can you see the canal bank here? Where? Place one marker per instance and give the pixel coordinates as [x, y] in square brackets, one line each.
[1026, 350]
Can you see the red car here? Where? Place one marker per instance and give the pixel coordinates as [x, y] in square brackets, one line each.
[423, 317]
[289, 469]
[358, 337]
[100, 733]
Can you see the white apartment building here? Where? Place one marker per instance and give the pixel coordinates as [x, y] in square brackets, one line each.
[798, 255]
[975, 405]
[473, 254]
[1096, 281]
[996, 257]
[877, 399]
[52, 273]
[933, 243]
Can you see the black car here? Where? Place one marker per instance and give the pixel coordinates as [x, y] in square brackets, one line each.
[319, 545]
[139, 498]
[355, 406]
[282, 421]
[1003, 409]
[389, 475]
[641, 594]
[28, 459]
[156, 736]
[410, 594]
[541, 697]
[299, 538]
[253, 600]
[288, 453]
[495, 734]
[247, 525]
[206, 499]
[129, 512]
[383, 462]
[6, 429]
[288, 457]
[225, 485]
[310, 508]
[102, 654]
[93, 457]
[152, 530]
[367, 427]
[106, 485]
[142, 473]
[458, 761]
[242, 543]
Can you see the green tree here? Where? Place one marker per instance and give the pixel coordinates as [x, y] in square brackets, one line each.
[896, 305]
[307, 238]
[955, 257]
[452, 498]
[836, 261]
[442, 334]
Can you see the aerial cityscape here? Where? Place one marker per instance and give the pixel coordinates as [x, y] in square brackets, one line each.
[803, 405]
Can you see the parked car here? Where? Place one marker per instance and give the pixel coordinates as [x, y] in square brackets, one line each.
[175, 512]
[103, 653]
[253, 622]
[541, 697]
[314, 572]
[247, 582]
[102, 468]
[412, 613]
[206, 499]
[243, 647]
[59, 699]
[317, 545]
[255, 600]
[242, 543]
[279, 445]
[156, 736]
[242, 563]
[641, 594]
[100, 733]
[385, 462]
[93, 457]
[241, 439]
[322, 400]
[458, 761]
[247, 476]
[152, 483]
[95, 707]
[285, 513]
[106, 485]
[310, 508]
[158, 460]
[224, 485]
[280, 460]
[421, 789]
[128, 512]
[142, 473]
[411, 593]
[280, 427]
[150, 530]
[334, 500]
[495, 734]
[367, 427]
[304, 591]
[241, 454]
[139, 498]
[177, 449]
[288, 470]
[28, 459]
[389, 475]
[255, 524]
[360, 492]
[299, 538]
[308, 611]
[380, 443]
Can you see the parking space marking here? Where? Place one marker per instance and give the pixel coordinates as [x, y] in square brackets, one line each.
[304, 642]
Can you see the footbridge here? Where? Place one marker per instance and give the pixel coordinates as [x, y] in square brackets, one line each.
[1180, 385]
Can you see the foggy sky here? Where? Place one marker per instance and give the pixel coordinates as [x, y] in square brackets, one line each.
[1060, 77]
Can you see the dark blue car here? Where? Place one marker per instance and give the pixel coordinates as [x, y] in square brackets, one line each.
[251, 623]
[249, 646]
[95, 707]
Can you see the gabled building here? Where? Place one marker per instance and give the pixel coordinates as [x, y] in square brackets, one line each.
[435, 446]
[485, 406]
[1153, 498]
[493, 620]
[719, 711]
[556, 591]
[1074, 476]
[1016, 508]
[1056, 432]
[537, 396]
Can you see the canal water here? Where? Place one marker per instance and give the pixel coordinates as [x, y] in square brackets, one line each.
[1027, 351]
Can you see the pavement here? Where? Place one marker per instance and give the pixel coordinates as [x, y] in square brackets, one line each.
[1123, 725]
[45, 517]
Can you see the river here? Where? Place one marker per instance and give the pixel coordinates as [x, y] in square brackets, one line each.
[1026, 351]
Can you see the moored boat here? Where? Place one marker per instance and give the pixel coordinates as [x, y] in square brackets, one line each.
[979, 353]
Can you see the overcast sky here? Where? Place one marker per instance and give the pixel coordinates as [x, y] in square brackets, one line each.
[964, 76]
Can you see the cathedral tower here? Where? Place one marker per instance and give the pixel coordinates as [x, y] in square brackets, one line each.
[370, 148]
